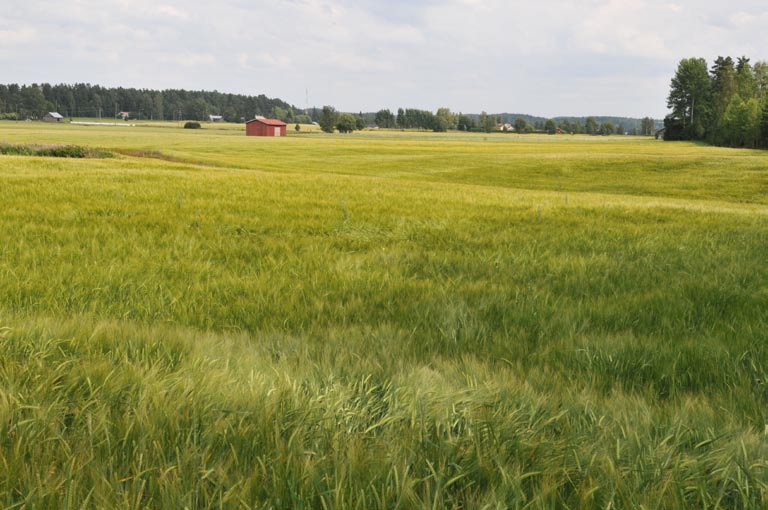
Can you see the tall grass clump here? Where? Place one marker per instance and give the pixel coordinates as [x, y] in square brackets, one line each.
[53, 151]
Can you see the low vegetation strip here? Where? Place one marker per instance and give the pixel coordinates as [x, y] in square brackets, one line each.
[53, 151]
[156, 154]
[150, 153]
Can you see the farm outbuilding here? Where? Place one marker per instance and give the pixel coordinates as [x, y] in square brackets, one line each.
[265, 127]
[53, 117]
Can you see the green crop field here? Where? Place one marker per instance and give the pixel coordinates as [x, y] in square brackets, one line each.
[382, 320]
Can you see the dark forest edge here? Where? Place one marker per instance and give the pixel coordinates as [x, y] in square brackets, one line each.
[19, 102]
[724, 105]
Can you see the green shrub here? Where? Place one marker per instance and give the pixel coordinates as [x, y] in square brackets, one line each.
[54, 151]
[192, 125]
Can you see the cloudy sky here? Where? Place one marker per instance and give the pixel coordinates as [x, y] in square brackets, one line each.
[546, 57]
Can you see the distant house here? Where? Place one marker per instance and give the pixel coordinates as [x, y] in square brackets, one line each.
[265, 127]
[53, 117]
[123, 115]
[660, 134]
[215, 118]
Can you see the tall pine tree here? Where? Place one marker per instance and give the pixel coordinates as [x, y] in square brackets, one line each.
[690, 97]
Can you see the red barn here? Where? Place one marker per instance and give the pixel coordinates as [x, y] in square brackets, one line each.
[265, 127]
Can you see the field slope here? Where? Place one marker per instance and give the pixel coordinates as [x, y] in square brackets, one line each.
[381, 321]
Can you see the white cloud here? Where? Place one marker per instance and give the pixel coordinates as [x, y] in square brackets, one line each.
[555, 57]
[195, 60]
[172, 11]
[15, 37]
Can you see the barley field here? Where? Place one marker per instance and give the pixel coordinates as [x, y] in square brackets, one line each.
[383, 320]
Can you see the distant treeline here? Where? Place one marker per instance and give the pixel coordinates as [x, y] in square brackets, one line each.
[444, 120]
[85, 100]
[18, 102]
[726, 104]
[629, 124]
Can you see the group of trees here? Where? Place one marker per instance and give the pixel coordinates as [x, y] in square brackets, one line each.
[589, 126]
[441, 121]
[444, 120]
[85, 100]
[411, 118]
[726, 104]
[330, 120]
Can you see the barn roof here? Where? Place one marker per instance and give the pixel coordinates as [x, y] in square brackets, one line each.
[55, 115]
[269, 122]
